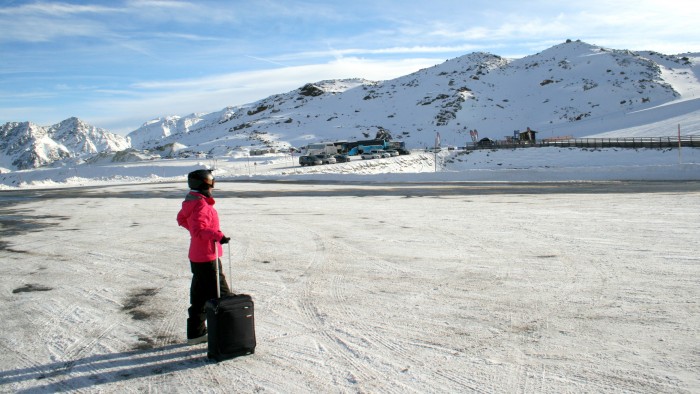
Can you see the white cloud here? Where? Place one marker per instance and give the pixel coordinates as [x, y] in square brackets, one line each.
[212, 93]
[305, 41]
[345, 67]
[55, 9]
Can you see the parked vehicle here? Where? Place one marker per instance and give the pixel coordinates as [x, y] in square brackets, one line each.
[371, 155]
[382, 153]
[342, 158]
[400, 147]
[392, 152]
[325, 159]
[309, 161]
[320, 148]
[358, 147]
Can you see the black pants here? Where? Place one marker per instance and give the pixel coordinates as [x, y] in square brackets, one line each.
[203, 289]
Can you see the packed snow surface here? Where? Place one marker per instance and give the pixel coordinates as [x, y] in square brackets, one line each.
[542, 270]
[360, 287]
[518, 165]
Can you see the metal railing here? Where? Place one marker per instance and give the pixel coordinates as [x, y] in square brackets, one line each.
[627, 142]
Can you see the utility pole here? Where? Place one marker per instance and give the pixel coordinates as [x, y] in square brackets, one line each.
[435, 150]
[679, 144]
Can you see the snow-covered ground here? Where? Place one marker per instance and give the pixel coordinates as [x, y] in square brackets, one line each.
[361, 287]
[530, 270]
[527, 164]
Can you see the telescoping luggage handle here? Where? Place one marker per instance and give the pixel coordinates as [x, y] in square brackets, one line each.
[216, 264]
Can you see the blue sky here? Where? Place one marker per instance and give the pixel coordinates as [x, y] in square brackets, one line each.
[117, 64]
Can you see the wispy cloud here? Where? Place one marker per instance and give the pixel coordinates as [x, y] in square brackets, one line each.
[55, 9]
[276, 63]
[212, 93]
[140, 58]
[347, 67]
[42, 22]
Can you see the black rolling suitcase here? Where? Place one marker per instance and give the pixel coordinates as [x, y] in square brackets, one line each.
[231, 327]
[230, 324]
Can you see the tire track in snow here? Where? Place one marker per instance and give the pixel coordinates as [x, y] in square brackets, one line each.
[345, 367]
[301, 293]
[294, 296]
[369, 335]
[362, 335]
[348, 344]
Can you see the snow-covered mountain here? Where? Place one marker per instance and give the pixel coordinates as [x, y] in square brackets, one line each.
[26, 145]
[572, 89]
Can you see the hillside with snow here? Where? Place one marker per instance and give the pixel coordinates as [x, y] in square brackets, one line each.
[573, 89]
[537, 269]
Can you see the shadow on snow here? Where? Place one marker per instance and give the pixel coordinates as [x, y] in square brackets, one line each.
[106, 368]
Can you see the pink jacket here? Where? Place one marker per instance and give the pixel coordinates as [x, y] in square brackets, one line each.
[201, 219]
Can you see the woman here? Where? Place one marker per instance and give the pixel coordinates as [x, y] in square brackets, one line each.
[201, 219]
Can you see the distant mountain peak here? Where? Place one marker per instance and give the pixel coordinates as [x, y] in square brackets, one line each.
[556, 91]
[26, 145]
[570, 89]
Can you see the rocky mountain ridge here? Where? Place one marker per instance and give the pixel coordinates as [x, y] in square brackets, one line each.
[571, 89]
[26, 145]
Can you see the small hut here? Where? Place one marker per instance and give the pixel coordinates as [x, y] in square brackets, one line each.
[528, 135]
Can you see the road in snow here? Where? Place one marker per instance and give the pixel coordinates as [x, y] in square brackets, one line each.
[505, 165]
[361, 288]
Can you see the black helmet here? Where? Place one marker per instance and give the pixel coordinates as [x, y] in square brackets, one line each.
[200, 180]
